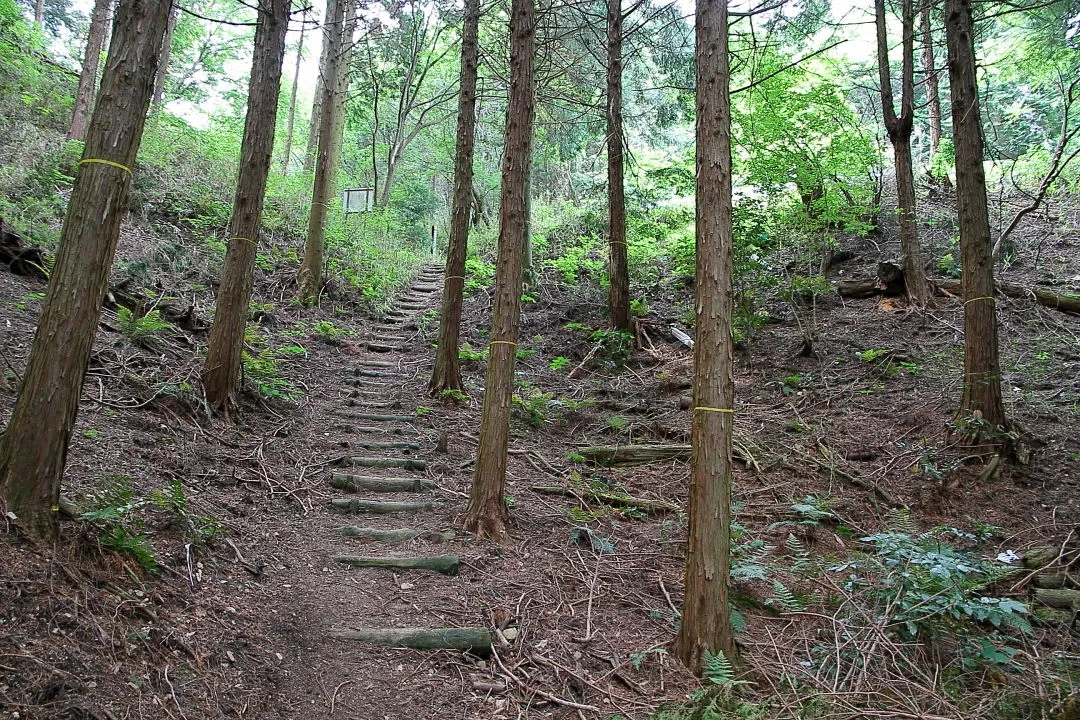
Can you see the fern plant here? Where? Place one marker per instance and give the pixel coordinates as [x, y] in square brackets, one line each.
[140, 329]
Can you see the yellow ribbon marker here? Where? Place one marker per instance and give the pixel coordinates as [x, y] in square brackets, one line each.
[503, 342]
[985, 297]
[106, 162]
[245, 240]
[454, 277]
[711, 409]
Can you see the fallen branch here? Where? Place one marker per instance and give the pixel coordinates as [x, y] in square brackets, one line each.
[636, 454]
[538, 692]
[1066, 302]
[609, 498]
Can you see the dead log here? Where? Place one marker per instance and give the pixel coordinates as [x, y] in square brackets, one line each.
[392, 536]
[1065, 302]
[19, 255]
[889, 281]
[380, 506]
[343, 481]
[402, 445]
[609, 498]
[1061, 599]
[639, 454]
[474, 640]
[373, 418]
[445, 564]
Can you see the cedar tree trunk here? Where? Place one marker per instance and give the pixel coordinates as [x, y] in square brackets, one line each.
[95, 44]
[982, 376]
[163, 66]
[447, 372]
[310, 276]
[486, 514]
[933, 98]
[33, 449]
[705, 623]
[341, 91]
[221, 374]
[286, 157]
[328, 28]
[618, 274]
[899, 130]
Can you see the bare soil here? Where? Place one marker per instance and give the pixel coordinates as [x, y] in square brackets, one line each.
[88, 633]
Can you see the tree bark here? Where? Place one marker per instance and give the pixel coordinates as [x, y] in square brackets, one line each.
[486, 514]
[933, 98]
[39, 13]
[286, 157]
[34, 446]
[446, 374]
[224, 357]
[328, 27]
[899, 129]
[982, 377]
[618, 273]
[341, 91]
[162, 75]
[310, 276]
[95, 45]
[705, 626]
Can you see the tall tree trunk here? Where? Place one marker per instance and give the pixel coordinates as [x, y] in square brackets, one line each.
[162, 75]
[982, 404]
[447, 372]
[705, 625]
[618, 273]
[286, 157]
[95, 44]
[486, 514]
[341, 90]
[933, 99]
[328, 27]
[221, 374]
[39, 14]
[310, 276]
[899, 130]
[34, 446]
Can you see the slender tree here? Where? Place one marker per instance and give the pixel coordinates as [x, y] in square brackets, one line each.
[982, 403]
[310, 276]
[618, 274]
[221, 374]
[705, 626]
[930, 73]
[899, 128]
[446, 374]
[39, 13]
[95, 45]
[486, 514]
[163, 67]
[286, 156]
[33, 449]
[341, 90]
[328, 27]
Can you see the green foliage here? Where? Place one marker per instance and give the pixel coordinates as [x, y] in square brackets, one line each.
[262, 365]
[140, 329]
[454, 397]
[614, 348]
[329, 333]
[559, 363]
[112, 507]
[535, 404]
[466, 353]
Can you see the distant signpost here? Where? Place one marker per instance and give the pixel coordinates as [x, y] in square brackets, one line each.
[358, 200]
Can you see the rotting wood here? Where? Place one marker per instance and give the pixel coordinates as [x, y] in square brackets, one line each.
[353, 505]
[1058, 598]
[403, 463]
[1065, 302]
[344, 481]
[1052, 582]
[636, 454]
[19, 255]
[445, 564]
[345, 427]
[399, 535]
[475, 640]
[371, 417]
[609, 497]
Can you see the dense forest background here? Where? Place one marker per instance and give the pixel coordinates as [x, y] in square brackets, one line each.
[897, 551]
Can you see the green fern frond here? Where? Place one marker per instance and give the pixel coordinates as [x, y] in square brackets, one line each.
[900, 520]
[785, 598]
[718, 669]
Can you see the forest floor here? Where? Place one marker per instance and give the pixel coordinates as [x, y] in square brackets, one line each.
[236, 623]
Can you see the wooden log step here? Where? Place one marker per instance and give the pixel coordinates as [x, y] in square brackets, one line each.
[375, 404]
[400, 535]
[381, 507]
[344, 481]
[394, 328]
[475, 640]
[346, 427]
[363, 372]
[425, 288]
[388, 339]
[381, 348]
[387, 445]
[403, 463]
[372, 417]
[1063, 599]
[377, 363]
[445, 564]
